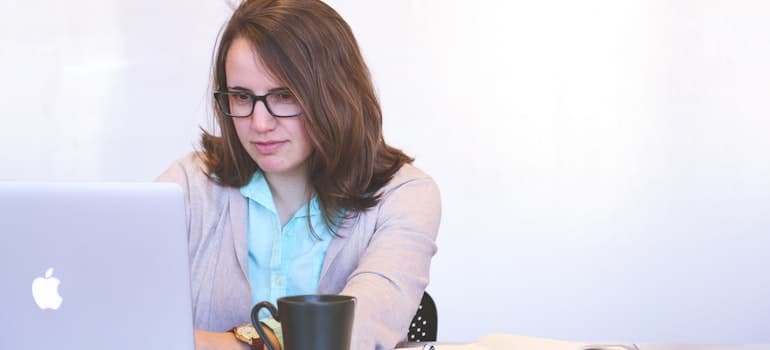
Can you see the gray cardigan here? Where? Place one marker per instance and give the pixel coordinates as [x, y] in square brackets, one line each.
[382, 256]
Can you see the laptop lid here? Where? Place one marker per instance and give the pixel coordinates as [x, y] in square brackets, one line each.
[94, 266]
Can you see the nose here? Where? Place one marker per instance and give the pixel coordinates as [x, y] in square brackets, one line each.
[261, 119]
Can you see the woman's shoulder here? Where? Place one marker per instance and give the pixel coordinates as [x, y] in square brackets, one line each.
[191, 172]
[190, 164]
[190, 168]
[410, 175]
[413, 190]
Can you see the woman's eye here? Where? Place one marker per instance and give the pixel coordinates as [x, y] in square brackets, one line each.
[240, 98]
[285, 96]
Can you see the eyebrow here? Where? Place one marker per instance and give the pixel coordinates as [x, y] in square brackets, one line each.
[240, 88]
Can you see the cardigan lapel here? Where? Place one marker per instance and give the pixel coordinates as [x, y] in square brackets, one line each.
[238, 218]
[336, 245]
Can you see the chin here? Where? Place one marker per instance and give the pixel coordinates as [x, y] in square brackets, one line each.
[272, 168]
[278, 165]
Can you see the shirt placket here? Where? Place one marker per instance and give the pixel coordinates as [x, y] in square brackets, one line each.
[277, 278]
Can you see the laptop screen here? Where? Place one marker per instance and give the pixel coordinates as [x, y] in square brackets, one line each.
[94, 266]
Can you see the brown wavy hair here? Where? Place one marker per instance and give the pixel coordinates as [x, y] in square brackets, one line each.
[311, 49]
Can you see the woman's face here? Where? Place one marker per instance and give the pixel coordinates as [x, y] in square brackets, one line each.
[280, 146]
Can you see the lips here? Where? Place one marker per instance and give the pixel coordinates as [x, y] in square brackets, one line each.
[268, 147]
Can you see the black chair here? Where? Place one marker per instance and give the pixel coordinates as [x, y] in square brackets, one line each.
[424, 326]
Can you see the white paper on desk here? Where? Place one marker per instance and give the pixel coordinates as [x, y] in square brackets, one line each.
[510, 342]
[515, 342]
[449, 347]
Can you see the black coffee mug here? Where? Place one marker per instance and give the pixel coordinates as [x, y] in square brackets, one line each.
[310, 322]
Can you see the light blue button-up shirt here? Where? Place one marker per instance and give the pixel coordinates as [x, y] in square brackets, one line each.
[282, 260]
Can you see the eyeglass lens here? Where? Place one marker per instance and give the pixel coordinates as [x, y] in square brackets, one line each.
[241, 104]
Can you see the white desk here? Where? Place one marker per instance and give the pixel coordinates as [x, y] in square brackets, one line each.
[512, 342]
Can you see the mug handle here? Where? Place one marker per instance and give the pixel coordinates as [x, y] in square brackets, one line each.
[258, 325]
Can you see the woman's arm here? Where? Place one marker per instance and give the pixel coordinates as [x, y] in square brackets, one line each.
[393, 271]
[205, 340]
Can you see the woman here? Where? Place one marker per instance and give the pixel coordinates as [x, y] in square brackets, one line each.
[298, 193]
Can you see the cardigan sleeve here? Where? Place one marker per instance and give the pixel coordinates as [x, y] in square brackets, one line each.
[393, 270]
[177, 173]
[216, 218]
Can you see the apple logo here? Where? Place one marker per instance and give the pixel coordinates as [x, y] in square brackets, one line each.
[45, 291]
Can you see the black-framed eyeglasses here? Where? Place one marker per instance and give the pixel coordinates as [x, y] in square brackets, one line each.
[240, 104]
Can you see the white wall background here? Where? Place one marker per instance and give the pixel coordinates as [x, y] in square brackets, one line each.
[604, 164]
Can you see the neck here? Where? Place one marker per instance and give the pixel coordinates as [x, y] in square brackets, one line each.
[290, 191]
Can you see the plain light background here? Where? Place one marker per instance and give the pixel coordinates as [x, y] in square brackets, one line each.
[604, 165]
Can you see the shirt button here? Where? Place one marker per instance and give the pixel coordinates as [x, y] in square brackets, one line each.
[279, 280]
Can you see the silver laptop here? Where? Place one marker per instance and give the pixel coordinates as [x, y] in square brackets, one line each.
[94, 266]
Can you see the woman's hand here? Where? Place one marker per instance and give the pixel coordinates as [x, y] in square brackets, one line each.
[271, 338]
[205, 340]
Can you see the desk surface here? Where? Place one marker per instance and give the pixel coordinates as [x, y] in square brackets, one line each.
[512, 342]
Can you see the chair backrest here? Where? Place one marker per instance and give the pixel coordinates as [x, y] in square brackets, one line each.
[424, 326]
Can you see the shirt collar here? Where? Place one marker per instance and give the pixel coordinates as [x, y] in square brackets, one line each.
[258, 190]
